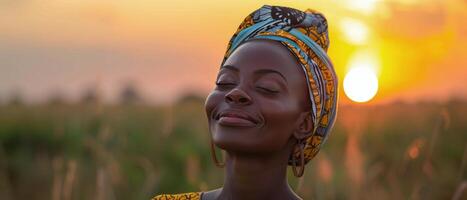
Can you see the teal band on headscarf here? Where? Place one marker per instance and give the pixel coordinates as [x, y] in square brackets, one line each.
[305, 35]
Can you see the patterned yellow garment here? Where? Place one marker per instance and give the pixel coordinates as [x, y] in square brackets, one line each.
[184, 196]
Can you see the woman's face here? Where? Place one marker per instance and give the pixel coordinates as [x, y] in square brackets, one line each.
[260, 93]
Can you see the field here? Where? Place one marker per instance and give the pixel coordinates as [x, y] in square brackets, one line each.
[134, 151]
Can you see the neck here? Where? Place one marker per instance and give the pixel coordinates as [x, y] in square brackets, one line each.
[256, 177]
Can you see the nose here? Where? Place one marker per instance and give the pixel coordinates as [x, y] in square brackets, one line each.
[238, 96]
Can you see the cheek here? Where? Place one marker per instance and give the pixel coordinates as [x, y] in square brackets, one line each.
[280, 119]
[212, 100]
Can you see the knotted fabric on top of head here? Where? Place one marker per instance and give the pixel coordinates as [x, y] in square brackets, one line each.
[305, 34]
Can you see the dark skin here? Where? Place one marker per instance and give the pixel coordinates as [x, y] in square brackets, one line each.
[256, 113]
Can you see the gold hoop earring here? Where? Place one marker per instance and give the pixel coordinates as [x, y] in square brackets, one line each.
[299, 173]
[214, 156]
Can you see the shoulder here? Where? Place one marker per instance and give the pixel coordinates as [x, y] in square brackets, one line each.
[183, 196]
[213, 194]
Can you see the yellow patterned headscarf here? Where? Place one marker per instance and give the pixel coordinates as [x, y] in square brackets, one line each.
[305, 34]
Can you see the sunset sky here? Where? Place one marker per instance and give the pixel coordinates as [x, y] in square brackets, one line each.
[417, 47]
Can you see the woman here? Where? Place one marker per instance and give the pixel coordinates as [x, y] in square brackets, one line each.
[274, 103]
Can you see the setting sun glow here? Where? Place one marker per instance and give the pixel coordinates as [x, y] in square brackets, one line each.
[354, 31]
[360, 84]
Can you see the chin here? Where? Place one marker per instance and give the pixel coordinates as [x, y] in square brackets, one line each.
[252, 141]
[237, 139]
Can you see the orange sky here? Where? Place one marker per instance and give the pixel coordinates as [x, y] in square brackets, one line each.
[417, 47]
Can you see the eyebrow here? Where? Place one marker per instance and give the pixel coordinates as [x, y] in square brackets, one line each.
[260, 71]
[266, 71]
[230, 67]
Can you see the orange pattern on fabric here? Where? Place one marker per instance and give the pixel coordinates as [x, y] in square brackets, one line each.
[184, 196]
[323, 87]
[325, 71]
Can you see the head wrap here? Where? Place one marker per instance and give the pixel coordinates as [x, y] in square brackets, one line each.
[305, 34]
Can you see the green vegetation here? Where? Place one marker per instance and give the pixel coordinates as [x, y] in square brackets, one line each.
[134, 151]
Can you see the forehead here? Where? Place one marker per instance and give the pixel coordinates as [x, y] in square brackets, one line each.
[265, 54]
[261, 54]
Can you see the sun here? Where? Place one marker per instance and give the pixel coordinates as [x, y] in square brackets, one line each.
[360, 84]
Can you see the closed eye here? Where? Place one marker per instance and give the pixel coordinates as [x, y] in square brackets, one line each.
[267, 90]
[224, 85]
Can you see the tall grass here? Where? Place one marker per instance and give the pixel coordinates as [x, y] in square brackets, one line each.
[88, 151]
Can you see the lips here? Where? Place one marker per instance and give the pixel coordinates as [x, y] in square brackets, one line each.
[236, 118]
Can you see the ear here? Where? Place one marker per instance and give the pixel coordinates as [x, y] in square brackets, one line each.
[304, 126]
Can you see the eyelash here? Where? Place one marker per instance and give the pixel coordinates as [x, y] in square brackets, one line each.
[264, 90]
[268, 90]
[222, 85]
[217, 83]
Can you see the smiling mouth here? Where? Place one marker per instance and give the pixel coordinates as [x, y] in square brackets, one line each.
[236, 119]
